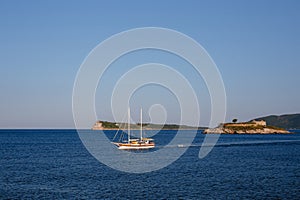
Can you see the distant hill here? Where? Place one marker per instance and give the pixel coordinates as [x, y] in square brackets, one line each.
[289, 121]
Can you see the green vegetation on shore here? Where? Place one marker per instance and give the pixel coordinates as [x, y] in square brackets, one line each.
[252, 127]
[248, 128]
[112, 125]
[109, 125]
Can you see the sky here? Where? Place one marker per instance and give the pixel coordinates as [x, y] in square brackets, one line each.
[255, 45]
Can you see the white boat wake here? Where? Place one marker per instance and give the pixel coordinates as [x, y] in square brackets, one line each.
[228, 144]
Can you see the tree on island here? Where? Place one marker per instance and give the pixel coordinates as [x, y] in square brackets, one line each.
[234, 120]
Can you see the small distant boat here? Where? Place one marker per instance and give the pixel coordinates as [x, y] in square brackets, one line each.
[141, 143]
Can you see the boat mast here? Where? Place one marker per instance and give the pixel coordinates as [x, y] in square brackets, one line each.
[128, 125]
[141, 131]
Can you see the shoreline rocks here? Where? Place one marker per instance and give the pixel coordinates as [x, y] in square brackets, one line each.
[253, 127]
[255, 131]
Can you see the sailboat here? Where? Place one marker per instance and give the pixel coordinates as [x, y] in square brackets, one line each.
[141, 143]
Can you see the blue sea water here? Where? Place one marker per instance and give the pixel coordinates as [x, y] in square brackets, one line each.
[54, 164]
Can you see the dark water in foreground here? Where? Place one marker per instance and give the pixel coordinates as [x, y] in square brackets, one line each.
[54, 164]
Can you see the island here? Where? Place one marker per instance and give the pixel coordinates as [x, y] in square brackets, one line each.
[105, 125]
[251, 127]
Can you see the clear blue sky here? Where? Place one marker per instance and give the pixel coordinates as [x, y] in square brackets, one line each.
[255, 45]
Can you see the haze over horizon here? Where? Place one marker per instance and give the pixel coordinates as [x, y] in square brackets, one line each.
[255, 45]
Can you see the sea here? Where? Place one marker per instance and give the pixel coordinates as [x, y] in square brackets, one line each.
[54, 164]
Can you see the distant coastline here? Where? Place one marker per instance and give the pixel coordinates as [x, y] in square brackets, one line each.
[105, 125]
[263, 125]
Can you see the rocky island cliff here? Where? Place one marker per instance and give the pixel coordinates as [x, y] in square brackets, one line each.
[252, 127]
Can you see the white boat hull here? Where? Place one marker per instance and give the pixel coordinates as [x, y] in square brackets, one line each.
[134, 146]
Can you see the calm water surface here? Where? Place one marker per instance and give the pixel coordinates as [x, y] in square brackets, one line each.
[47, 164]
